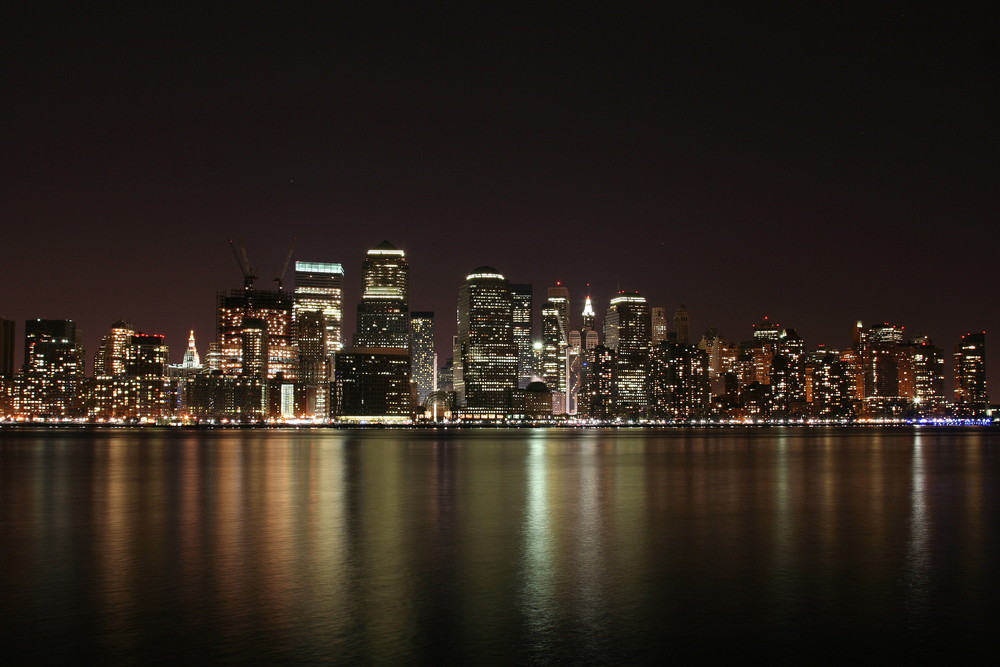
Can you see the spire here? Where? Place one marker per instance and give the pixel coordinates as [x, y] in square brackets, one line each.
[588, 308]
[191, 358]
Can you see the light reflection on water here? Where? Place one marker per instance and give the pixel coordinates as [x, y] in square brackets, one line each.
[585, 546]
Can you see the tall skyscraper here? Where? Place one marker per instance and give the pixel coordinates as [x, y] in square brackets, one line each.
[191, 358]
[558, 298]
[6, 348]
[319, 288]
[971, 396]
[555, 347]
[589, 317]
[523, 326]
[423, 360]
[383, 313]
[659, 319]
[628, 332]
[111, 356]
[485, 372]
[50, 384]
[681, 325]
[927, 362]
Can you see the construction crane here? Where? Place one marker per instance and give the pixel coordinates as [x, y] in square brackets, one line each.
[284, 267]
[244, 263]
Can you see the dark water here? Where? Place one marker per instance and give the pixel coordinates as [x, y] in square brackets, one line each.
[482, 546]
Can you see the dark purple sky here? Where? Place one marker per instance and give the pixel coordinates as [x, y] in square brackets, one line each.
[816, 166]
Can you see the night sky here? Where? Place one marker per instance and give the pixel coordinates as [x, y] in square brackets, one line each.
[816, 166]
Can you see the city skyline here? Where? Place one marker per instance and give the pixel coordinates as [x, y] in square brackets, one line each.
[277, 356]
[814, 165]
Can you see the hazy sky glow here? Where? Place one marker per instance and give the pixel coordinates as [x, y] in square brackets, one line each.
[817, 167]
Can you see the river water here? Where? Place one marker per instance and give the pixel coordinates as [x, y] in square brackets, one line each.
[542, 546]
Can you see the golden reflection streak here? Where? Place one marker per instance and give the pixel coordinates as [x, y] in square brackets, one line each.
[537, 539]
[917, 551]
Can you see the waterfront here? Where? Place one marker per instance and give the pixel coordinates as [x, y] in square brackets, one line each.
[471, 546]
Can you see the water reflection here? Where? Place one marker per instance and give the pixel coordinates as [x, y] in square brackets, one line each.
[464, 546]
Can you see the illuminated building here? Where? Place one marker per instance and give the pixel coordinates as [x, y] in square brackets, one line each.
[879, 355]
[628, 332]
[383, 313]
[523, 327]
[786, 375]
[828, 385]
[109, 361]
[372, 385]
[319, 289]
[558, 298]
[485, 371]
[130, 377]
[678, 381]
[272, 307]
[658, 315]
[927, 364]
[602, 385]
[767, 331]
[681, 325]
[191, 358]
[180, 374]
[255, 347]
[971, 397]
[532, 402]
[314, 366]
[582, 346]
[555, 370]
[423, 360]
[51, 382]
[589, 317]
[225, 397]
[6, 348]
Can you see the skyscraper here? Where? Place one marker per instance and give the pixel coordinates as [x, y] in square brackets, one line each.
[383, 313]
[523, 326]
[319, 288]
[555, 344]
[485, 371]
[681, 325]
[423, 360]
[659, 319]
[628, 332]
[6, 348]
[558, 298]
[111, 356]
[50, 384]
[971, 397]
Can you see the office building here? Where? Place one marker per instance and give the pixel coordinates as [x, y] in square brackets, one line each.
[50, 385]
[971, 397]
[423, 359]
[485, 371]
[256, 318]
[6, 348]
[372, 385]
[628, 332]
[521, 294]
[383, 313]
[682, 325]
[658, 316]
[319, 289]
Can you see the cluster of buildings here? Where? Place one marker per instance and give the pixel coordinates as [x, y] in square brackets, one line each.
[279, 355]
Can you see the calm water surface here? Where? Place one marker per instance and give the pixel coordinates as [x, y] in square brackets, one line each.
[498, 546]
